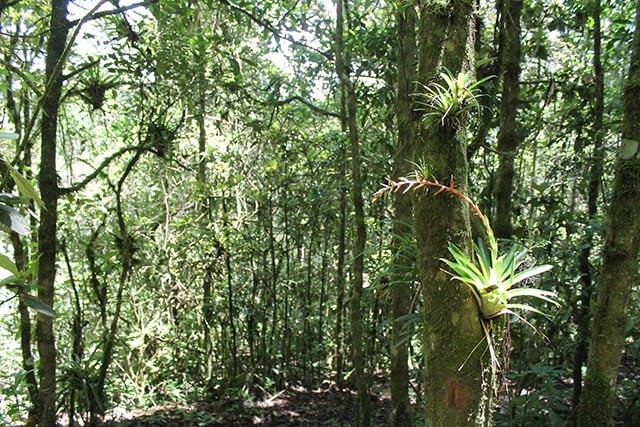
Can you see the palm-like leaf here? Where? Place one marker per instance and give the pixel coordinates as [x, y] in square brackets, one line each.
[492, 278]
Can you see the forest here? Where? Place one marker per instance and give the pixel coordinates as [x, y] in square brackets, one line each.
[319, 212]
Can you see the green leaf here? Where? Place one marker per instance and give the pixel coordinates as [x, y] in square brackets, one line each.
[12, 199]
[8, 135]
[8, 264]
[38, 305]
[13, 219]
[10, 281]
[530, 272]
[535, 293]
[24, 187]
[484, 258]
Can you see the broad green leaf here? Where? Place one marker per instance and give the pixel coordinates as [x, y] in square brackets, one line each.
[38, 305]
[24, 187]
[9, 281]
[484, 257]
[535, 293]
[13, 219]
[12, 199]
[467, 272]
[8, 264]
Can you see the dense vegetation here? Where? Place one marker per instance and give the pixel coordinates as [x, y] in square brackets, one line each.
[206, 228]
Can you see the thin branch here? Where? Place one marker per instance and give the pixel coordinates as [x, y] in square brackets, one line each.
[305, 102]
[80, 185]
[110, 12]
[81, 69]
[22, 75]
[57, 70]
[267, 26]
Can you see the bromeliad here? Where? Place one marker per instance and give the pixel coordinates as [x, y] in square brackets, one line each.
[491, 277]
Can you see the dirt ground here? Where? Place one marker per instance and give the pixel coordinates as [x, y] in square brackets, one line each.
[292, 407]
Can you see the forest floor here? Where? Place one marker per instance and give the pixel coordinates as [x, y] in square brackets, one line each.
[292, 407]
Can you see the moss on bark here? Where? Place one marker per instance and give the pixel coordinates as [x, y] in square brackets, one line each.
[453, 388]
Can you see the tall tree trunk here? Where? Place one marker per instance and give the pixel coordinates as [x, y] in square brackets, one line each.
[340, 279]
[21, 253]
[232, 314]
[208, 314]
[620, 261]
[362, 382]
[508, 137]
[401, 292]
[583, 315]
[48, 182]
[126, 265]
[28, 363]
[453, 387]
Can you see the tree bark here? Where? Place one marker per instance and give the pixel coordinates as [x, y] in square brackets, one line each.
[126, 264]
[620, 261]
[340, 279]
[508, 137]
[47, 232]
[453, 387]
[583, 315]
[401, 291]
[362, 383]
[21, 256]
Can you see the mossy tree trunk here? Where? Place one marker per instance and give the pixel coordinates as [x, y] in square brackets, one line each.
[47, 232]
[620, 261]
[508, 136]
[401, 291]
[582, 313]
[453, 388]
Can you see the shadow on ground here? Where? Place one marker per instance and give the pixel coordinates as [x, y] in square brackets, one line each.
[294, 407]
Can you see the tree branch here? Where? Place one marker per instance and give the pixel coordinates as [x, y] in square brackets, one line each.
[110, 12]
[22, 75]
[80, 69]
[267, 26]
[305, 102]
[80, 185]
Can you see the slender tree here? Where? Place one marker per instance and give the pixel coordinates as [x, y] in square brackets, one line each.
[508, 136]
[401, 291]
[582, 313]
[342, 69]
[453, 387]
[47, 232]
[620, 261]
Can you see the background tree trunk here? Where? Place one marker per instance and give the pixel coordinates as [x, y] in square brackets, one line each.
[362, 383]
[47, 233]
[620, 261]
[508, 136]
[340, 277]
[452, 388]
[582, 312]
[401, 291]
